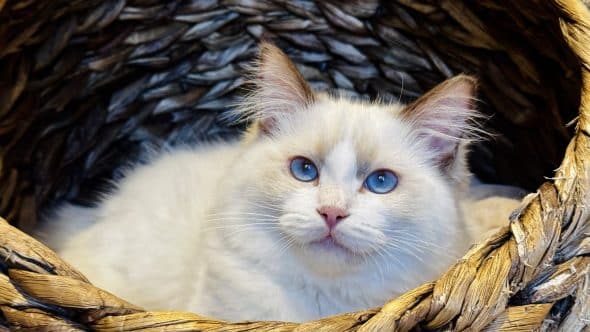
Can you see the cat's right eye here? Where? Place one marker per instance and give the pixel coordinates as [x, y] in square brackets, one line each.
[303, 169]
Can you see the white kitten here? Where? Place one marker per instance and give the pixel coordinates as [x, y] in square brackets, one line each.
[325, 206]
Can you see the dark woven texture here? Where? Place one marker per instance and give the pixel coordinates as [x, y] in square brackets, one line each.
[86, 83]
[85, 86]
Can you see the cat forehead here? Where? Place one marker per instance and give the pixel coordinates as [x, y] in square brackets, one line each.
[340, 127]
[341, 161]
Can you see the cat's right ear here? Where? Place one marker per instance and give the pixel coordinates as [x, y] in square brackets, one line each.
[279, 89]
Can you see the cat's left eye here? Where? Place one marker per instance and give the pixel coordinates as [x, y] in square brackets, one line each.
[303, 169]
[381, 181]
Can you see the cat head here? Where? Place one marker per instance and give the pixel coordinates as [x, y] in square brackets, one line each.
[342, 185]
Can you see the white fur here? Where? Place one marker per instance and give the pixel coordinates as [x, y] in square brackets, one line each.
[488, 207]
[226, 231]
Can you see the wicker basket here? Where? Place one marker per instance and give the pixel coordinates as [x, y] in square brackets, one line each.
[87, 85]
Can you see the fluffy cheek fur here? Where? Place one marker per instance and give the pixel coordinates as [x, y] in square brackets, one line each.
[423, 220]
[415, 218]
[300, 219]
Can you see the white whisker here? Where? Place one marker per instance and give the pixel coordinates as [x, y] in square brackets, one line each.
[240, 214]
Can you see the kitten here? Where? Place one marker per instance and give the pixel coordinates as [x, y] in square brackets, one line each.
[325, 206]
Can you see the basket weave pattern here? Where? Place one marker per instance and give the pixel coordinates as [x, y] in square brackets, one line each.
[87, 84]
[534, 274]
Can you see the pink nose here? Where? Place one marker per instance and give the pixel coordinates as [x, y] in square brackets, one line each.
[332, 215]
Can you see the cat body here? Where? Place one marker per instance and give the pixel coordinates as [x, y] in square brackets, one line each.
[325, 206]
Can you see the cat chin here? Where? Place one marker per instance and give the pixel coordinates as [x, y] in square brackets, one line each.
[328, 258]
[329, 245]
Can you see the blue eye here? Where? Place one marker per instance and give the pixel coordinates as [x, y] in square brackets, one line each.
[303, 169]
[381, 181]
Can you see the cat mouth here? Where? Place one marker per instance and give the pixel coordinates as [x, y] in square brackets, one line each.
[329, 243]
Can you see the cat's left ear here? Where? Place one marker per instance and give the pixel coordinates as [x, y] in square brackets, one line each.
[444, 118]
[279, 88]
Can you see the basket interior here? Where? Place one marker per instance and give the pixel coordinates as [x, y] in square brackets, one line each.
[87, 86]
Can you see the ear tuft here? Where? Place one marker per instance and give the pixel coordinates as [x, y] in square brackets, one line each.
[445, 119]
[279, 89]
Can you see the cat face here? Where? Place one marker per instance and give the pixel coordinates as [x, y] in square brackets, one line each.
[343, 186]
[327, 212]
